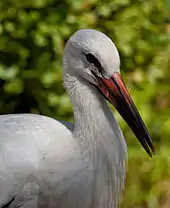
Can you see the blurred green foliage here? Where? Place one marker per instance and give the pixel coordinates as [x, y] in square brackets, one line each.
[32, 37]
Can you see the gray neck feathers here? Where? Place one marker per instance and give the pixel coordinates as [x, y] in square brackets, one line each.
[100, 139]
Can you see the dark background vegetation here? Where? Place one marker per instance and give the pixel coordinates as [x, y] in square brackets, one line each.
[32, 37]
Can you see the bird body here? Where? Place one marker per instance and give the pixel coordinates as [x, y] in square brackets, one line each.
[45, 163]
[43, 174]
[36, 150]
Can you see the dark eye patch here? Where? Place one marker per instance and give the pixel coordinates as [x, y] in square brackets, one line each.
[93, 60]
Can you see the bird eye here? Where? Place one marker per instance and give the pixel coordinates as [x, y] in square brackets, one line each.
[92, 59]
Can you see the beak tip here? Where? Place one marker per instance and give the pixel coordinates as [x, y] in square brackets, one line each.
[152, 152]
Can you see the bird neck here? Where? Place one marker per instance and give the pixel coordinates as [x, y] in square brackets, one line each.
[100, 140]
[95, 126]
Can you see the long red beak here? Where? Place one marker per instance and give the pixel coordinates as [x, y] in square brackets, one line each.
[115, 91]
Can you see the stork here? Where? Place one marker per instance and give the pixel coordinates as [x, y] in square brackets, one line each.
[45, 163]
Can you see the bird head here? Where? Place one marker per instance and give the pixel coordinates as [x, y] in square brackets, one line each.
[92, 56]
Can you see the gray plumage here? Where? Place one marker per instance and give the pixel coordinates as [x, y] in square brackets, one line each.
[45, 163]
